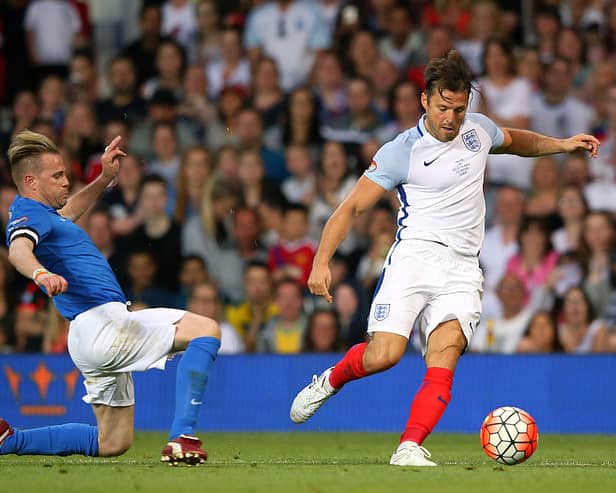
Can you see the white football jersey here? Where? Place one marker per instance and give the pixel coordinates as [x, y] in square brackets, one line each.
[439, 184]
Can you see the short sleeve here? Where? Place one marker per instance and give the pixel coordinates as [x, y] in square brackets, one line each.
[29, 222]
[390, 165]
[493, 130]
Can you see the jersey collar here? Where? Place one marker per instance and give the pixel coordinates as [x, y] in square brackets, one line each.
[40, 204]
[421, 126]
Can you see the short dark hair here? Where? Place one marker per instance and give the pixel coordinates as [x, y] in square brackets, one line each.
[148, 5]
[101, 208]
[194, 258]
[296, 207]
[255, 264]
[546, 10]
[152, 178]
[163, 97]
[289, 281]
[164, 124]
[121, 59]
[448, 73]
[275, 201]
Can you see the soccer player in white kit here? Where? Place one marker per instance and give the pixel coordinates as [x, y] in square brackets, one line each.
[431, 280]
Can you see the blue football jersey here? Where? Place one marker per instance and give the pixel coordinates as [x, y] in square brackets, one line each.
[64, 248]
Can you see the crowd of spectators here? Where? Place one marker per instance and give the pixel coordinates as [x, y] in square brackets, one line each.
[247, 122]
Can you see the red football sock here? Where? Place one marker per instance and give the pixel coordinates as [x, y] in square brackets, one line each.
[429, 404]
[349, 368]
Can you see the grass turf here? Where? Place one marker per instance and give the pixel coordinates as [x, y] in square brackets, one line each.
[322, 462]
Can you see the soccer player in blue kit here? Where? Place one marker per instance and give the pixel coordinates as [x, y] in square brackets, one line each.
[431, 281]
[106, 341]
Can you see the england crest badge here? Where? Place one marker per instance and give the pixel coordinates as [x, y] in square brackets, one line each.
[381, 312]
[471, 140]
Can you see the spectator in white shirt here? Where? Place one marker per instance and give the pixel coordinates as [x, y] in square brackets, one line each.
[501, 334]
[300, 187]
[600, 167]
[402, 41]
[51, 28]
[180, 20]
[506, 99]
[232, 68]
[555, 111]
[290, 32]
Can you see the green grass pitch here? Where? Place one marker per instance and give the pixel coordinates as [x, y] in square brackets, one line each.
[322, 462]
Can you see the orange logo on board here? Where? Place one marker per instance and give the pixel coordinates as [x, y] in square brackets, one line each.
[42, 377]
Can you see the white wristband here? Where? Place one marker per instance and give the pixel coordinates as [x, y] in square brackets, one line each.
[39, 272]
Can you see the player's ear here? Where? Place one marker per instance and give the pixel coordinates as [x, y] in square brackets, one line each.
[28, 180]
[424, 101]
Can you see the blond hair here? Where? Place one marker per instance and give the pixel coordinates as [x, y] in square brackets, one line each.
[182, 198]
[215, 189]
[24, 153]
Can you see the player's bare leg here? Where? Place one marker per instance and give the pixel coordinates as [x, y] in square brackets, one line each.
[445, 345]
[382, 352]
[115, 429]
[200, 337]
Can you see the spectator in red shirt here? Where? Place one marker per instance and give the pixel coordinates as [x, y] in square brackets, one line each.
[292, 255]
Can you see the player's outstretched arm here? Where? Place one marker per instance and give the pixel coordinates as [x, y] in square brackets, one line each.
[79, 203]
[21, 256]
[532, 144]
[363, 196]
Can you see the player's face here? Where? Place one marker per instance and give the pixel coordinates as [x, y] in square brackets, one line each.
[50, 183]
[445, 112]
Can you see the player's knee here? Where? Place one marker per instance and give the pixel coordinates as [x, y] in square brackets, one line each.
[213, 329]
[114, 446]
[193, 326]
[207, 327]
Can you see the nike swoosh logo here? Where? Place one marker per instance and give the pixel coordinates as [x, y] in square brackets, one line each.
[442, 400]
[195, 402]
[428, 163]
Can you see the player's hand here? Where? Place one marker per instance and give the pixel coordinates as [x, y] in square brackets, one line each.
[319, 281]
[582, 142]
[110, 158]
[53, 283]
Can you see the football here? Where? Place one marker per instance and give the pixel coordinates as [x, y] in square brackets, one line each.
[509, 435]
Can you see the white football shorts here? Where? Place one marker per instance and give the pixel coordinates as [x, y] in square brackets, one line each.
[107, 342]
[423, 284]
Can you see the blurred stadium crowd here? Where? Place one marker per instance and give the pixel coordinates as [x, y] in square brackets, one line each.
[247, 122]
